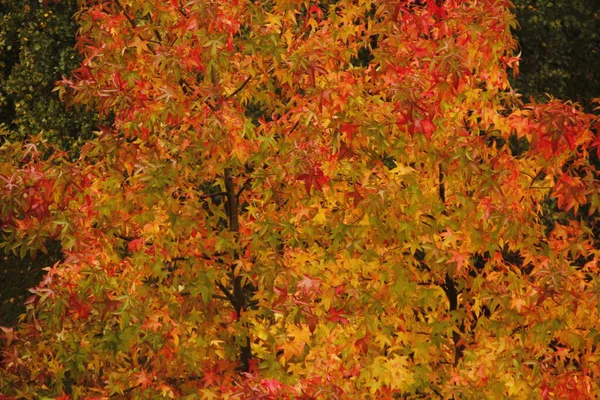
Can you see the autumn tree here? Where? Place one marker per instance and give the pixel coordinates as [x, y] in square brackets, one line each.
[305, 199]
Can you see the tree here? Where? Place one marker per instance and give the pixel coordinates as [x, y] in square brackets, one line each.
[560, 47]
[36, 49]
[306, 200]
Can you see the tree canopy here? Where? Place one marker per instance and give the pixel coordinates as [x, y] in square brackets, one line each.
[306, 199]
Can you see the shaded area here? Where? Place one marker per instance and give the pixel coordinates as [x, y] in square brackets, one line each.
[36, 49]
[17, 276]
[560, 49]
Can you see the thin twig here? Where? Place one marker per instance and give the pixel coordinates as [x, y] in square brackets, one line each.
[294, 127]
[236, 91]
[245, 186]
[134, 27]
[131, 21]
[182, 11]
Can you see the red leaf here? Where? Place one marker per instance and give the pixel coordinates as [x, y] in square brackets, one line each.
[344, 152]
[272, 385]
[349, 130]
[335, 315]
[425, 126]
[317, 10]
[142, 379]
[135, 245]
[211, 378]
[63, 396]
[315, 177]
[439, 11]
[355, 196]
[79, 309]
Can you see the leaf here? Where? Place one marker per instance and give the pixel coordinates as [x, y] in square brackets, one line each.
[309, 285]
[135, 245]
[273, 386]
[570, 192]
[314, 178]
[143, 379]
[335, 315]
[295, 347]
[167, 391]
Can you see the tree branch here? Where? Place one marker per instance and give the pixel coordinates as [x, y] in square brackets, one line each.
[239, 89]
[227, 293]
[232, 202]
[134, 27]
[206, 196]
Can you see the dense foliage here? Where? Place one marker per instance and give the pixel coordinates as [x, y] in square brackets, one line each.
[560, 49]
[306, 200]
[36, 50]
[19, 274]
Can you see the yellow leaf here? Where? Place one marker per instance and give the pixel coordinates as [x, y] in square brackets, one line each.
[166, 390]
[295, 347]
[402, 170]
[320, 218]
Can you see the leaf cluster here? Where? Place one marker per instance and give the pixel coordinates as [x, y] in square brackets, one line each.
[269, 218]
